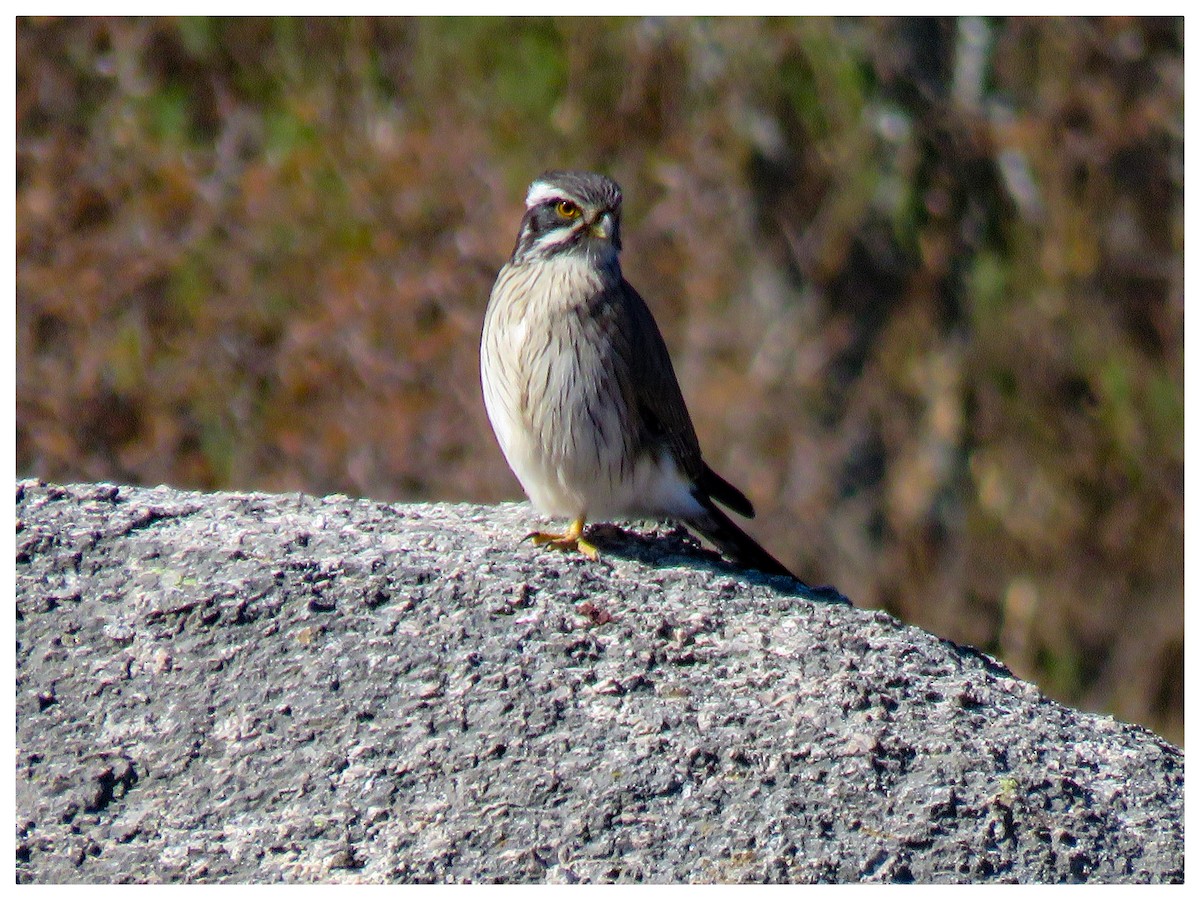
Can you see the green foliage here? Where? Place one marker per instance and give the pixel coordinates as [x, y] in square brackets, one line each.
[199, 34]
[190, 287]
[509, 71]
[169, 112]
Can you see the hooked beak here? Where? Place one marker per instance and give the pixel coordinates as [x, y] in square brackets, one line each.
[602, 228]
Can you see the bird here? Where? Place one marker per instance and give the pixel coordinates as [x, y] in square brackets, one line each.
[579, 388]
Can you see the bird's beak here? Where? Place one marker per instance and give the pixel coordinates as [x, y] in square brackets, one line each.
[602, 228]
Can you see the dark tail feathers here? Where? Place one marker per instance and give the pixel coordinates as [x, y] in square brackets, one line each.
[734, 543]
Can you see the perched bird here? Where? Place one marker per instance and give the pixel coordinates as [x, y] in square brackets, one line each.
[580, 389]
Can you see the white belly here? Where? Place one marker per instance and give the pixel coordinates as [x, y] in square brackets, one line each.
[564, 433]
[566, 480]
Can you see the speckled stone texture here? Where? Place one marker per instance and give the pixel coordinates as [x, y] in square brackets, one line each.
[249, 687]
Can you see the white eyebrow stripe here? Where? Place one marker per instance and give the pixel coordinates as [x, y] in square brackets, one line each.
[540, 192]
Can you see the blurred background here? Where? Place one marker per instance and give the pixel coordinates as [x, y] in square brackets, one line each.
[922, 281]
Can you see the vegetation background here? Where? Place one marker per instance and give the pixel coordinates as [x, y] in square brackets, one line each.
[922, 281]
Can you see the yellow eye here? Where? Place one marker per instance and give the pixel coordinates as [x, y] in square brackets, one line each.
[567, 210]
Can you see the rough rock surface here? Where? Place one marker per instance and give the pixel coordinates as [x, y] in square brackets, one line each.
[247, 687]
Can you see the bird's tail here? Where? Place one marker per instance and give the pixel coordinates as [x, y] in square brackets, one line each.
[734, 543]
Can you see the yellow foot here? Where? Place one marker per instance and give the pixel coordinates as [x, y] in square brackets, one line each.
[565, 543]
[571, 540]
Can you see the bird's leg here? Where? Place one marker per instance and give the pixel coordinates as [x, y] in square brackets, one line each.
[572, 539]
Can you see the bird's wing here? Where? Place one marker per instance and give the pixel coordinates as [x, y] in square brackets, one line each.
[657, 400]
[665, 423]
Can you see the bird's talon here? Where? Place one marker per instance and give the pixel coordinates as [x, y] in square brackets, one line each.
[544, 538]
[571, 540]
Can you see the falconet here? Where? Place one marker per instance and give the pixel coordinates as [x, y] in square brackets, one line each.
[579, 386]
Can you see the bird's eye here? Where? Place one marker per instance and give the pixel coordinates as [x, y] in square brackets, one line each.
[567, 210]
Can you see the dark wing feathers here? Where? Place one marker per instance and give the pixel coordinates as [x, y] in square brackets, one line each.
[659, 401]
[665, 424]
[665, 419]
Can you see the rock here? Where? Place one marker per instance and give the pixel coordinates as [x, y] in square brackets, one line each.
[246, 687]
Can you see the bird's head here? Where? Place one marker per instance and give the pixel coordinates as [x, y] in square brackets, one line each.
[572, 213]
